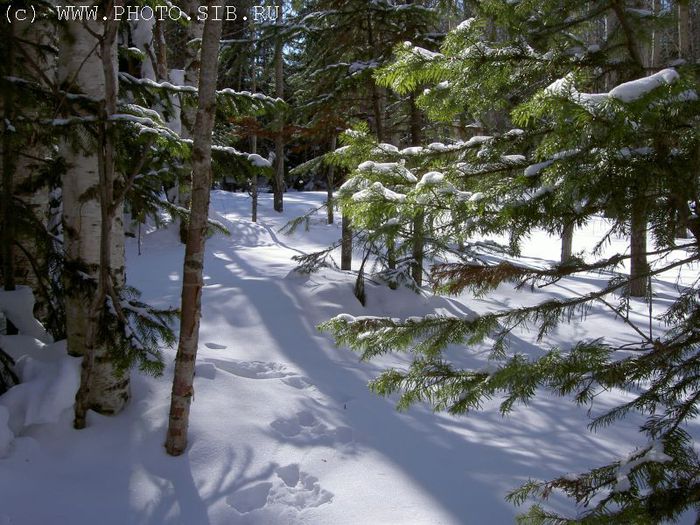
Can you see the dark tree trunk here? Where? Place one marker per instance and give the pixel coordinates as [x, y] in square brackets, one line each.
[254, 144]
[192, 282]
[161, 65]
[567, 240]
[391, 251]
[376, 98]
[331, 184]
[417, 248]
[638, 249]
[278, 196]
[8, 169]
[418, 241]
[346, 244]
[254, 183]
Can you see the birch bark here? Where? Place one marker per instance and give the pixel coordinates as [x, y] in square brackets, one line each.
[88, 65]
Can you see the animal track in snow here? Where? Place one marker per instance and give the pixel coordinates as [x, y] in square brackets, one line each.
[298, 382]
[303, 428]
[250, 498]
[290, 487]
[251, 369]
[300, 490]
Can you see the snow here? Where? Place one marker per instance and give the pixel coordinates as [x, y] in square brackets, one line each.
[147, 82]
[49, 380]
[388, 168]
[424, 53]
[534, 169]
[18, 306]
[477, 140]
[412, 150]
[465, 24]
[513, 159]
[383, 147]
[431, 178]
[441, 147]
[377, 189]
[655, 454]
[636, 89]
[255, 159]
[560, 86]
[259, 162]
[357, 67]
[627, 92]
[283, 428]
[342, 150]
[437, 146]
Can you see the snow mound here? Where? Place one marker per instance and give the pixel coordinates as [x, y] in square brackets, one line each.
[18, 307]
[49, 380]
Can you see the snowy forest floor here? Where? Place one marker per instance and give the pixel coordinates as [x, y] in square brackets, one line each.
[283, 427]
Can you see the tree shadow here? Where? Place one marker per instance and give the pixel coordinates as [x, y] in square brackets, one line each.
[440, 455]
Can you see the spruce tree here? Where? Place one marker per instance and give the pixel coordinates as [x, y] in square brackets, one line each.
[570, 149]
[341, 45]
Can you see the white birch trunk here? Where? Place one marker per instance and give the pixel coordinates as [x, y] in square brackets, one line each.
[192, 62]
[29, 257]
[142, 37]
[187, 113]
[80, 70]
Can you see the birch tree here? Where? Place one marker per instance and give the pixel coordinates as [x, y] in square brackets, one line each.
[94, 250]
[182, 392]
[192, 63]
[28, 72]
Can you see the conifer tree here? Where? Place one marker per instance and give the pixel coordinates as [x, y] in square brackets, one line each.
[573, 151]
[342, 44]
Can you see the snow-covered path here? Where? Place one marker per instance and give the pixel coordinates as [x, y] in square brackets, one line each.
[283, 427]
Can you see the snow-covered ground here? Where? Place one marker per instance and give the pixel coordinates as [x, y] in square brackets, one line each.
[283, 428]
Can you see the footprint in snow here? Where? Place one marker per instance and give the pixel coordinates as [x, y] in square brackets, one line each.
[250, 498]
[298, 382]
[215, 346]
[251, 369]
[290, 488]
[304, 429]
